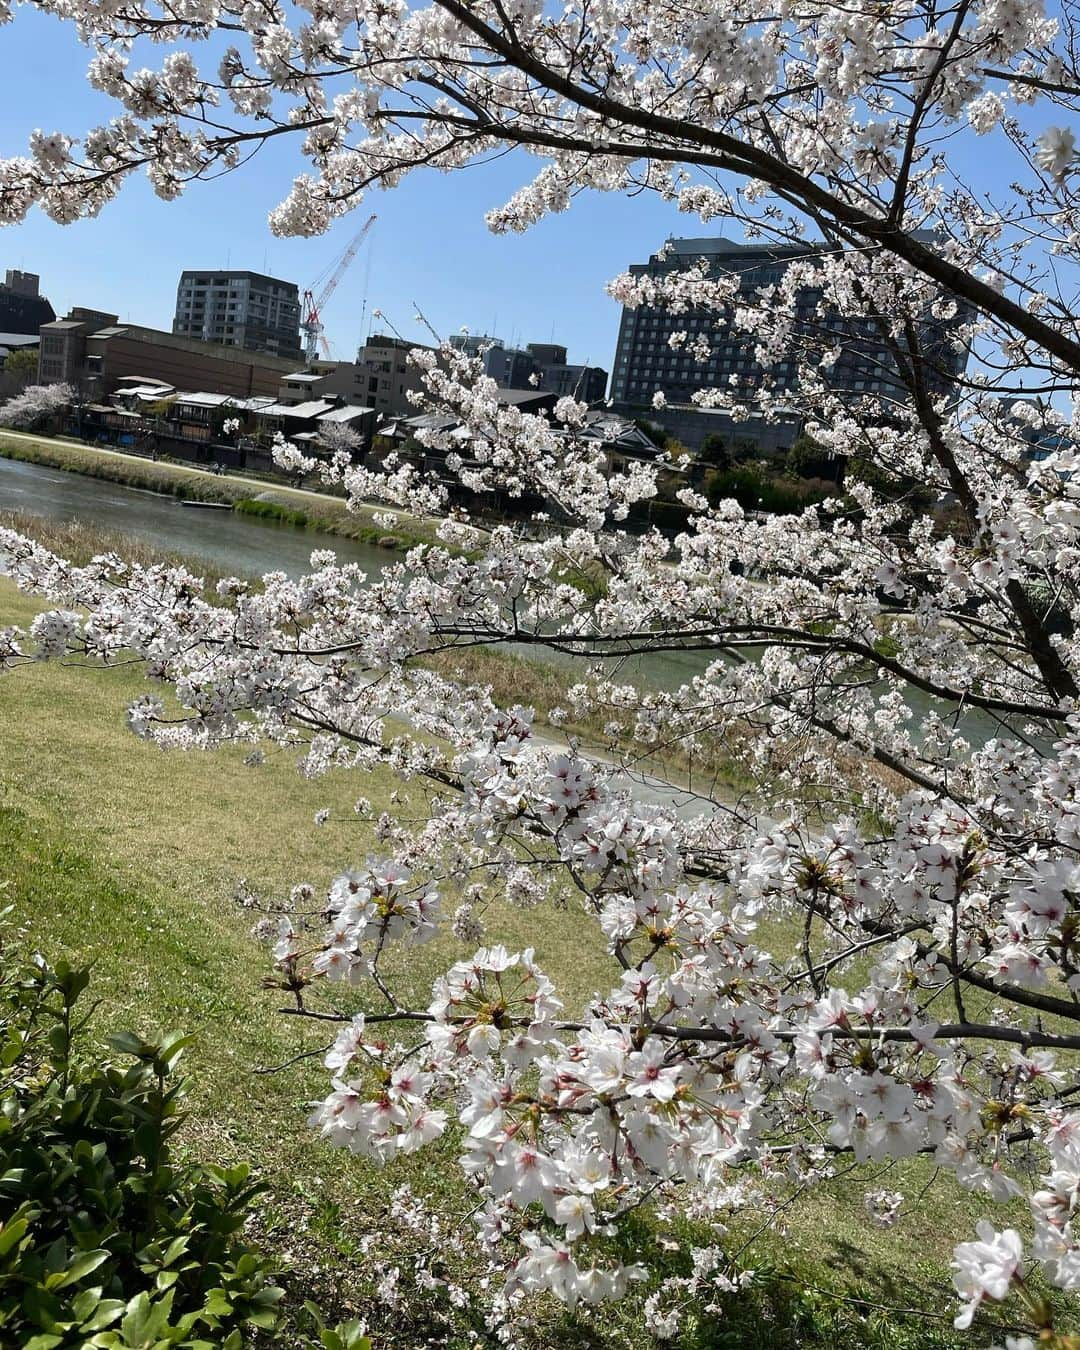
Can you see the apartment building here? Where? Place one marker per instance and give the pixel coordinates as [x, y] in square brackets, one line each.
[240, 309]
[539, 365]
[23, 309]
[390, 375]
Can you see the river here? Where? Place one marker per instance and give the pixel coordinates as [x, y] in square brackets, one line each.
[226, 540]
[250, 546]
[247, 545]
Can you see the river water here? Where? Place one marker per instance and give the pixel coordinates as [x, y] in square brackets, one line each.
[249, 546]
[230, 542]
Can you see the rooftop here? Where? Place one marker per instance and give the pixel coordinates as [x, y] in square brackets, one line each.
[313, 408]
[151, 389]
[208, 400]
[398, 344]
[232, 274]
[159, 338]
[347, 414]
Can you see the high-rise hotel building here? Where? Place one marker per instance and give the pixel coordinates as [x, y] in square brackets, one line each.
[646, 362]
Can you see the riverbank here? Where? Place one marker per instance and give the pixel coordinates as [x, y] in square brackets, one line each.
[511, 678]
[247, 496]
[122, 855]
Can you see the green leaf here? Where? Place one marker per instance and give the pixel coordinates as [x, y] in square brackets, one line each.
[82, 1266]
[106, 1312]
[266, 1319]
[175, 1249]
[173, 1045]
[11, 1233]
[345, 1336]
[217, 1304]
[128, 1043]
[85, 1301]
[56, 1257]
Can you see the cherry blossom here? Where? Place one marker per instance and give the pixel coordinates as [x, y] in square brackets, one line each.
[864, 947]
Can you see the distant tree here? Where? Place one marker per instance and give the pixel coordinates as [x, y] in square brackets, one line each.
[808, 458]
[337, 437]
[744, 448]
[20, 368]
[715, 451]
[657, 433]
[36, 405]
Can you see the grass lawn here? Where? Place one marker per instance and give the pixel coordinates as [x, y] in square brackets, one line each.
[119, 854]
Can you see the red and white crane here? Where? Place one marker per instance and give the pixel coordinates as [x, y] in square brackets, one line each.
[311, 313]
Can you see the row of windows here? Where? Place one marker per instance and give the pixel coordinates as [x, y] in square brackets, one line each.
[645, 387]
[201, 284]
[251, 312]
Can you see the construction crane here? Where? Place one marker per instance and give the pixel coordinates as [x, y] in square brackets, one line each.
[311, 313]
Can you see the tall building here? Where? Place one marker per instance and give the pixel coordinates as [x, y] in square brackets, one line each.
[22, 308]
[240, 309]
[646, 362]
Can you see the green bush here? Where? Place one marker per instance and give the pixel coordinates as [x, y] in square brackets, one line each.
[755, 490]
[715, 451]
[808, 459]
[106, 1239]
[659, 435]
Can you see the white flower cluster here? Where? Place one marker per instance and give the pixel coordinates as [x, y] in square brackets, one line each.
[890, 677]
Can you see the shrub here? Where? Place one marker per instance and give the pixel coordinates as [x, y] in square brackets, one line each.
[669, 517]
[106, 1238]
[715, 451]
[808, 459]
[755, 490]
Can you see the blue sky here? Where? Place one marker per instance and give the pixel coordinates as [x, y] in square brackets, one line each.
[429, 244]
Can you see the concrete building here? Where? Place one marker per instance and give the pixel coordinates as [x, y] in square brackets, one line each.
[390, 376]
[587, 384]
[348, 381]
[539, 365]
[95, 354]
[240, 309]
[22, 308]
[646, 362]
[62, 357]
[509, 367]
